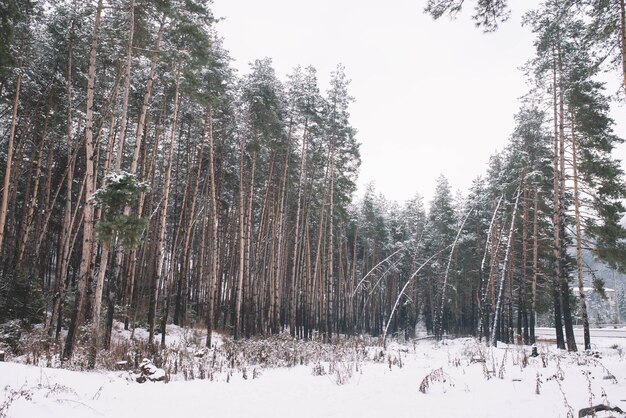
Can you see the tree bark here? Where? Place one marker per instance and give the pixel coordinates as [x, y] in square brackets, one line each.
[494, 342]
[296, 243]
[533, 306]
[214, 232]
[484, 286]
[579, 253]
[127, 68]
[622, 16]
[9, 163]
[89, 189]
[556, 243]
[162, 220]
[563, 277]
[33, 201]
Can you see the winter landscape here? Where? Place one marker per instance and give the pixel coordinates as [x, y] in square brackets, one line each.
[356, 377]
[435, 227]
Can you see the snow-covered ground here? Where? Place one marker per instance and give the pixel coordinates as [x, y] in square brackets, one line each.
[425, 378]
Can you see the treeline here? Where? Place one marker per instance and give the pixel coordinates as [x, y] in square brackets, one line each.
[146, 182]
[142, 173]
[490, 263]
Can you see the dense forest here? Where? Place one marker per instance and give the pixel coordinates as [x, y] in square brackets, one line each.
[146, 182]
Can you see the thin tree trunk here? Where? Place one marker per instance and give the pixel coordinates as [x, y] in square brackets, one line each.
[296, 244]
[444, 290]
[33, 202]
[214, 232]
[494, 342]
[579, 253]
[484, 286]
[95, 317]
[141, 124]
[533, 306]
[622, 15]
[563, 278]
[89, 189]
[522, 312]
[9, 162]
[242, 212]
[162, 220]
[127, 68]
[330, 274]
[556, 244]
[189, 232]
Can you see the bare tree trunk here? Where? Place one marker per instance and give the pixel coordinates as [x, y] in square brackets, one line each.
[296, 243]
[182, 300]
[89, 189]
[556, 244]
[141, 124]
[248, 267]
[318, 273]
[622, 15]
[66, 230]
[533, 306]
[504, 271]
[444, 290]
[563, 278]
[331, 274]
[9, 163]
[162, 219]
[33, 201]
[484, 286]
[124, 115]
[522, 312]
[214, 232]
[242, 242]
[579, 253]
[97, 304]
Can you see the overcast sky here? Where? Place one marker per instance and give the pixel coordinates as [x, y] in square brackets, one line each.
[431, 97]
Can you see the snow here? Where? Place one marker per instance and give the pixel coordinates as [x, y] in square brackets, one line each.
[460, 378]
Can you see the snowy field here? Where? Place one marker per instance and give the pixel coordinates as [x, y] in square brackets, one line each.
[425, 378]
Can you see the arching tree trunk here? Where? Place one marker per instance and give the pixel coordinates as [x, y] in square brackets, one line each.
[494, 342]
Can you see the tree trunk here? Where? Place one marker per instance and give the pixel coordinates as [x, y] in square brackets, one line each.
[296, 242]
[563, 278]
[97, 303]
[533, 306]
[33, 201]
[484, 285]
[439, 328]
[522, 312]
[556, 244]
[127, 67]
[9, 163]
[214, 232]
[89, 189]
[494, 342]
[162, 220]
[330, 245]
[579, 253]
[622, 15]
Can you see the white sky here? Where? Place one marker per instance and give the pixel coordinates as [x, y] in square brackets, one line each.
[431, 97]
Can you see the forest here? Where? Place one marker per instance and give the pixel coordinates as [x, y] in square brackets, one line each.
[146, 182]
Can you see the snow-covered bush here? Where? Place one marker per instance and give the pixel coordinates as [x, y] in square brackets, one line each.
[148, 371]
